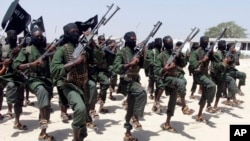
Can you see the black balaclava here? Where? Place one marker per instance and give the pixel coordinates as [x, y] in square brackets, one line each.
[222, 45]
[151, 45]
[195, 45]
[11, 38]
[204, 41]
[128, 41]
[168, 43]
[70, 36]
[37, 37]
[158, 43]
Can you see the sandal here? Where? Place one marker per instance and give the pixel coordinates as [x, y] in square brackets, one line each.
[236, 102]
[168, 128]
[19, 126]
[129, 137]
[91, 125]
[199, 118]
[9, 115]
[135, 123]
[187, 111]
[102, 109]
[65, 117]
[94, 114]
[241, 93]
[45, 137]
[27, 102]
[43, 124]
[156, 108]
[211, 110]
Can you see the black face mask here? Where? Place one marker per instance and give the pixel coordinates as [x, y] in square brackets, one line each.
[37, 41]
[131, 43]
[12, 41]
[169, 46]
[158, 46]
[72, 37]
[204, 44]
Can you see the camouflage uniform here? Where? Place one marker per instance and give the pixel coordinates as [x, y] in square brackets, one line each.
[201, 76]
[149, 65]
[13, 81]
[99, 71]
[73, 84]
[173, 81]
[129, 84]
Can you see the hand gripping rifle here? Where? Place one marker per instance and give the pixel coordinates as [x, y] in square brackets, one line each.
[177, 52]
[13, 54]
[49, 51]
[143, 44]
[210, 50]
[85, 40]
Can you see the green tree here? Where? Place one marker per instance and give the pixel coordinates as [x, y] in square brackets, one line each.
[233, 31]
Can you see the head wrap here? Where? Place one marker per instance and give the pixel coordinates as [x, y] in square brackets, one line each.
[128, 35]
[68, 27]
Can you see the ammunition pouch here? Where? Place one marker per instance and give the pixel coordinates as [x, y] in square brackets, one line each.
[77, 79]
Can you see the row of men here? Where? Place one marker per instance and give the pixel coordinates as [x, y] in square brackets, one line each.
[23, 67]
[221, 72]
[76, 79]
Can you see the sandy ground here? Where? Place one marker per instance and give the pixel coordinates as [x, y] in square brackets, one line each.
[110, 126]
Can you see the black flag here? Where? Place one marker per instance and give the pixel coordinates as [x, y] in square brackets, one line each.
[17, 17]
[37, 23]
[90, 23]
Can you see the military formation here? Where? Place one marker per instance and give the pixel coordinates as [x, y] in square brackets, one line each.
[84, 81]
[84, 70]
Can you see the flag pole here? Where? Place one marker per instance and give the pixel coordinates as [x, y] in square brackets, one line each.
[4, 29]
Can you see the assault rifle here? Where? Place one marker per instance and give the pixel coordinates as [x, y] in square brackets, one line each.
[86, 39]
[143, 44]
[210, 50]
[13, 54]
[49, 52]
[177, 52]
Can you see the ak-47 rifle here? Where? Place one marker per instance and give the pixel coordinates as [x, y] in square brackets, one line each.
[143, 44]
[210, 50]
[49, 51]
[177, 52]
[13, 54]
[86, 39]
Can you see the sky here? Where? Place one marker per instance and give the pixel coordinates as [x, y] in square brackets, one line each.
[177, 16]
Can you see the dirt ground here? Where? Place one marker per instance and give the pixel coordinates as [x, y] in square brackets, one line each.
[110, 125]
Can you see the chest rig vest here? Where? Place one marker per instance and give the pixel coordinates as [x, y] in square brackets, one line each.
[133, 72]
[79, 74]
